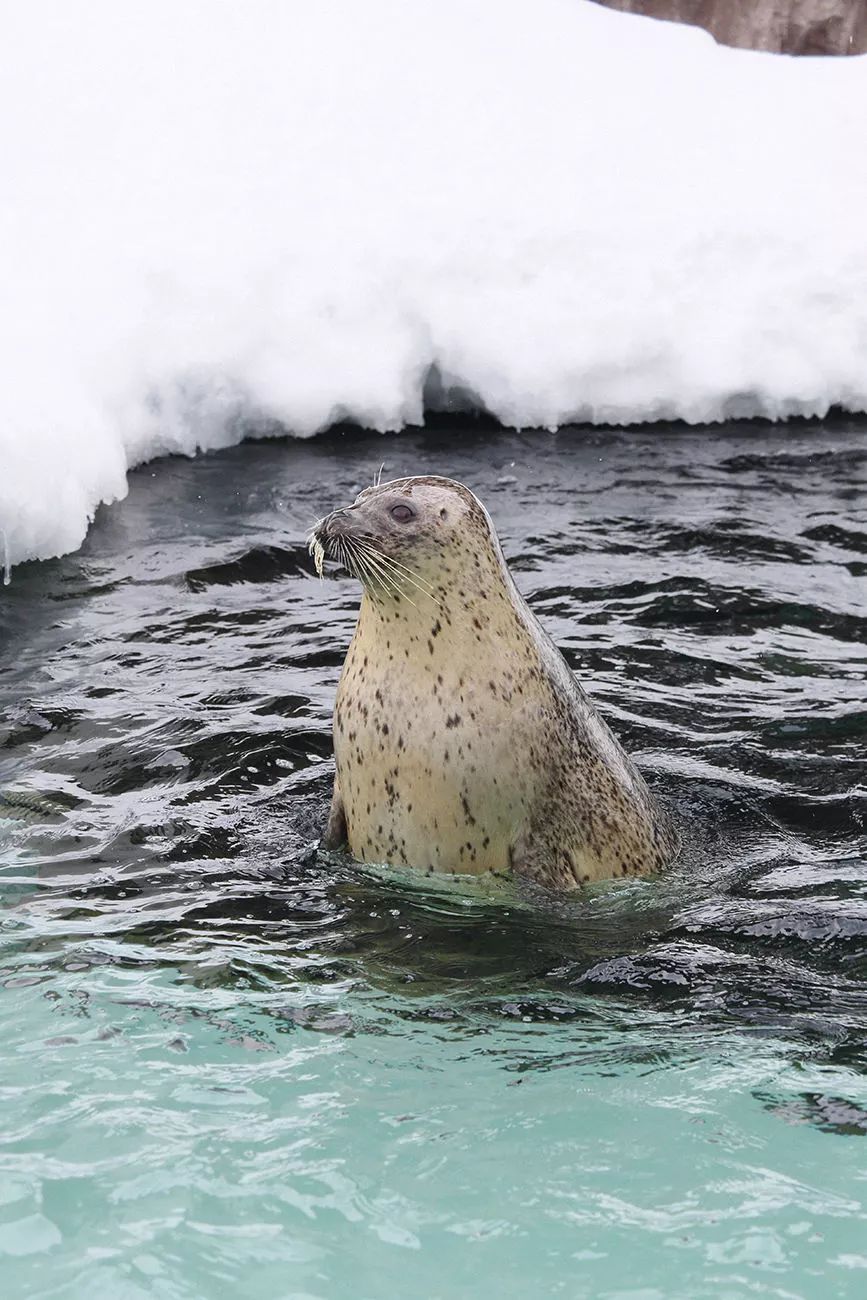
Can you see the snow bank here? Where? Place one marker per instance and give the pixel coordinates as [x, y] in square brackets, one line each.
[289, 210]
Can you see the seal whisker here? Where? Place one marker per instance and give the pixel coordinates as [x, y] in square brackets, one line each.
[408, 577]
[359, 565]
[390, 579]
[411, 573]
[400, 570]
[317, 550]
[345, 556]
[388, 576]
[315, 546]
[374, 583]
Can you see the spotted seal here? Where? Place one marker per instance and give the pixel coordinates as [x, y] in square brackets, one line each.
[462, 740]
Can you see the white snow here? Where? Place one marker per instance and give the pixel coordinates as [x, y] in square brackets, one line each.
[292, 209]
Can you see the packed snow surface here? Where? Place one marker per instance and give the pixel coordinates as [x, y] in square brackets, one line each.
[218, 217]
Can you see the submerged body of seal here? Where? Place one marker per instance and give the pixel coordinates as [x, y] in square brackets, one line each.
[462, 740]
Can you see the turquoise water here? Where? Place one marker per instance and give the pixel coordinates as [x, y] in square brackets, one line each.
[232, 1067]
[176, 1141]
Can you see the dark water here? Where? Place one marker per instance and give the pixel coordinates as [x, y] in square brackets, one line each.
[168, 691]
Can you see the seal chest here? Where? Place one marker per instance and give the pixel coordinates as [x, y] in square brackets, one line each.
[462, 740]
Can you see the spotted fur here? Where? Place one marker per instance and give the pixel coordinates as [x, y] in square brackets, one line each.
[462, 740]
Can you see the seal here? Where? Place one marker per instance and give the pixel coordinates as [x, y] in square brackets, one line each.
[462, 740]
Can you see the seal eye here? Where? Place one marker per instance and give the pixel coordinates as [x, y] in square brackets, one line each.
[402, 513]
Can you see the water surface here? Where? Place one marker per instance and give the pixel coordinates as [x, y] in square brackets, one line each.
[232, 1066]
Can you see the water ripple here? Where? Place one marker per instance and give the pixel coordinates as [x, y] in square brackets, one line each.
[237, 1044]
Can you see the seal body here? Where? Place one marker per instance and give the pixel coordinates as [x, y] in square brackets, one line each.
[462, 740]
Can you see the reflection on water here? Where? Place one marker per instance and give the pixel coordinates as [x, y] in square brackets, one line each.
[165, 701]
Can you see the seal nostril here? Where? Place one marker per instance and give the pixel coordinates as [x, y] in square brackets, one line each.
[335, 524]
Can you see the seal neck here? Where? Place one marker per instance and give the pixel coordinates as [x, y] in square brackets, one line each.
[475, 607]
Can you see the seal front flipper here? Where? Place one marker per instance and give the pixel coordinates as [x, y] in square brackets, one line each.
[532, 857]
[334, 836]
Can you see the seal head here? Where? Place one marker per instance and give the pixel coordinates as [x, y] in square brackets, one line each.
[462, 740]
[409, 525]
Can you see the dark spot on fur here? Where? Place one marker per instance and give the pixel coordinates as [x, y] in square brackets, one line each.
[471, 821]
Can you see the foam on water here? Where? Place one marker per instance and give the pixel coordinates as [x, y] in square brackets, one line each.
[222, 219]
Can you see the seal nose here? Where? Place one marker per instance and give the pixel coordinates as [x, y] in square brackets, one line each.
[336, 524]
